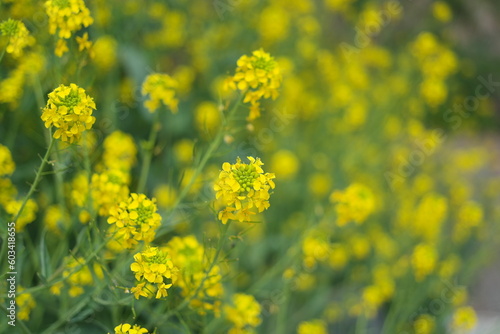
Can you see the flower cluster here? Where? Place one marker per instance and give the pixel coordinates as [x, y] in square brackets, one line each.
[464, 319]
[436, 63]
[7, 165]
[25, 303]
[203, 288]
[69, 109]
[244, 315]
[354, 204]
[130, 329]
[108, 188]
[154, 272]
[27, 216]
[257, 76]
[424, 260]
[161, 89]
[77, 274]
[29, 65]
[243, 189]
[19, 37]
[133, 220]
[65, 18]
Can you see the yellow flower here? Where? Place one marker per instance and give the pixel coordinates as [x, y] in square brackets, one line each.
[83, 42]
[25, 303]
[315, 248]
[424, 324]
[56, 219]
[119, 151]
[165, 195]
[243, 189]
[154, 272]
[61, 48]
[67, 16]
[464, 318]
[424, 261]
[312, 327]
[7, 165]
[286, 164]
[69, 109]
[441, 11]
[104, 52]
[207, 118]
[160, 88]
[28, 215]
[19, 36]
[470, 215]
[257, 76]
[129, 329]
[108, 188]
[133, 220]
[184, 150]
[245, 314]
[355, 204]
[8, 192]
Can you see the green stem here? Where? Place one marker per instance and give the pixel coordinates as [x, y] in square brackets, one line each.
[148, 154]
[37, 177]
[282, 320]
[3, 53]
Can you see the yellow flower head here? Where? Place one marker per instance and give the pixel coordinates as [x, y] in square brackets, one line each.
[257, 76]
[441, 11]
[25, 303]
[7, 165]
[355, 204]
[243, 189]
[19, 36]
[119, 151]
[105, 52]
[129, 329]
[424, 259]
[154, 272]
[464, 318]
[160, 88]
[133, 220]
[8, 192]
[207, 118]
[312, 327]
[69, 109]
[56, 219]
[67, 16]
[245, 314]
[28, 215]
[424, 324]
[108, 188]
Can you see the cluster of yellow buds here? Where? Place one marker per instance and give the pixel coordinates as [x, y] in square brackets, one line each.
[257, 76]
[244, 190]
[154, 272]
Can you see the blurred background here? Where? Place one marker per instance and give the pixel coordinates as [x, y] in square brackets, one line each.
[384, 140]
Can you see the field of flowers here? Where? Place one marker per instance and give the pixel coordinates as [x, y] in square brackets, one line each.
[241, 166]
